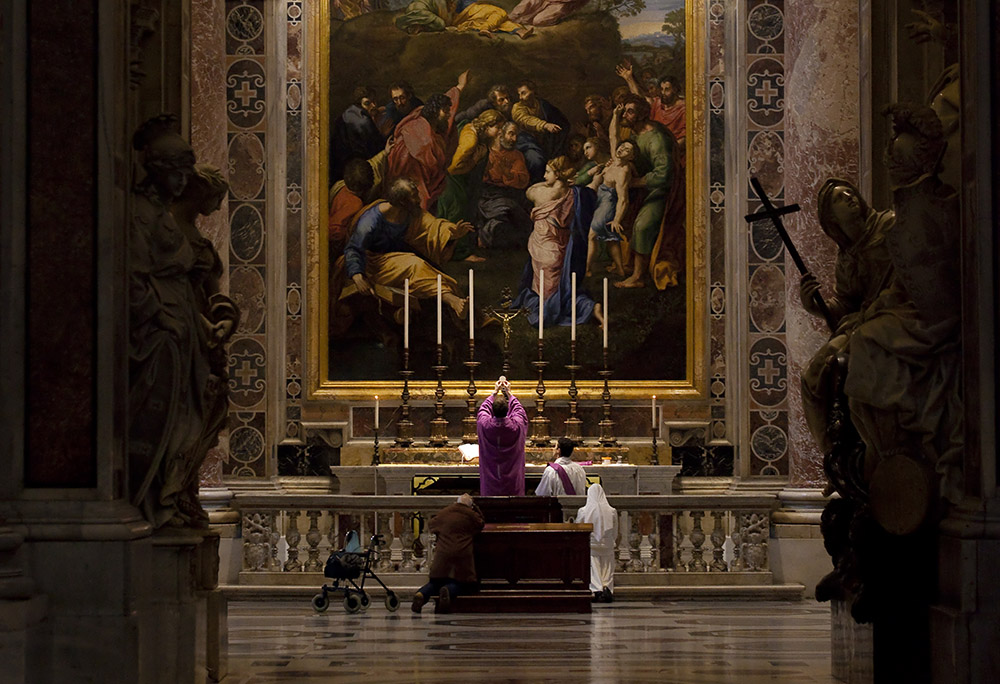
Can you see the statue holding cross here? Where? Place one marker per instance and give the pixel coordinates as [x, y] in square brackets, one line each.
[862, 269]
[774, 214]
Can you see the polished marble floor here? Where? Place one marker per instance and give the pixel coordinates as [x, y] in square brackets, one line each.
[669, 642]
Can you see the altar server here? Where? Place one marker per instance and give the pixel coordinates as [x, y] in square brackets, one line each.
[564, 475]
[599, 513]
[502, 427]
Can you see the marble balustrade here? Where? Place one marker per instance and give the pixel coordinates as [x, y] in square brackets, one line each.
[672, 539]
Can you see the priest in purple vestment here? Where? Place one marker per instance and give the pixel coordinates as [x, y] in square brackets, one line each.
[502, 427]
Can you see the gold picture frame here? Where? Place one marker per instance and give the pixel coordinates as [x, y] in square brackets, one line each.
[320, 390]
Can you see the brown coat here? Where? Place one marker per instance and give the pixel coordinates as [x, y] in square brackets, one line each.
[455, 526]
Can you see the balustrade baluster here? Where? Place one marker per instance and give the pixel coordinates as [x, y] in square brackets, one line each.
[645, 525]
[646, 552]
[678, 542]
[718, 538]
[333, 534]
[654, 543]
[394, 544]
[738, 563]
[624, 551]
[313, 538]
[697, 563]
[407, 563]
[293, 538]
[273, 564]
[635, 565]
[429, 542]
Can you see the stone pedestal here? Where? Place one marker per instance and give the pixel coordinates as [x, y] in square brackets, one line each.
[116, 610]
[796, 548]
[965, 621]
[21, 610]
[851, 647]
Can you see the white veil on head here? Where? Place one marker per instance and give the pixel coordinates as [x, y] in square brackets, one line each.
[598, 512]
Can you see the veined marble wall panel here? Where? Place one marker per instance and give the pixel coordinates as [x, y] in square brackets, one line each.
[822, 133]
[246, 64]
[293, 221]
[209, 124]
[767, 412]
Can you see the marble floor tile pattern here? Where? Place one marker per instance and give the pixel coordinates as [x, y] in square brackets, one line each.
[668, 642]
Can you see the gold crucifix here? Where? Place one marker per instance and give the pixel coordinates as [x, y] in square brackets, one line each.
[505, 314]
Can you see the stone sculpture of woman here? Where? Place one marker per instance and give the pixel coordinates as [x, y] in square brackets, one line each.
[178, 323]
[202, 196]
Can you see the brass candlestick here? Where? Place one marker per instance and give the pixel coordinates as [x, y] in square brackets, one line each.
[540, 424]
[469, 422]
[439, 426]
[404, 428]
[654, 458]
[607, 425]
[573, 423]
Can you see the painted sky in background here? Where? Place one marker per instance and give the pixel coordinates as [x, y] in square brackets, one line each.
[650, 20]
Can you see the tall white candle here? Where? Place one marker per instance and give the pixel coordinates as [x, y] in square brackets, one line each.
[472, 308]
[406, 314]
[607, 319]
[653, 419]
[376, 412]
[572, 319]
[439, 308]
[541, 305]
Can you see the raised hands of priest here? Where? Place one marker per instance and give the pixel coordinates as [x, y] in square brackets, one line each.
[502, 385]
[808, 287]
[364, 287]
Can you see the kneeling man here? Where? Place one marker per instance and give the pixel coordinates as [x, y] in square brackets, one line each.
[453, 570]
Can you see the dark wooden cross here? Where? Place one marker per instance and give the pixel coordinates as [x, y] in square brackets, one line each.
[774, 214]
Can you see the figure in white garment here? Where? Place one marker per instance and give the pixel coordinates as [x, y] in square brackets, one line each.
[599, 513]
[564, 475]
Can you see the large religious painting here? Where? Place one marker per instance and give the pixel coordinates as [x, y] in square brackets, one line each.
[489, 174]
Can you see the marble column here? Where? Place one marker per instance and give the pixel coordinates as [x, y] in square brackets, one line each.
[822, 114]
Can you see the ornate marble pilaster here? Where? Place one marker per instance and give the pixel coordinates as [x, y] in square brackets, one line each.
[208, 139]
[208, 111]
[822, 138]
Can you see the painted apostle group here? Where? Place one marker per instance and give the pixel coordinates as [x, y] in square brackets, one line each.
[420, 182]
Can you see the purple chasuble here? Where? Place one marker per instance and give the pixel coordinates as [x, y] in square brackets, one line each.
[501, 449]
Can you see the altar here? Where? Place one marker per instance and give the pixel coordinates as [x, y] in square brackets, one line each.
[398, 479]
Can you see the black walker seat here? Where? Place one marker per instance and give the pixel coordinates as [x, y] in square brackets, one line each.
[347, 566]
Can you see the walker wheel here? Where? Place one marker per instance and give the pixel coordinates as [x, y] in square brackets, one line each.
[365, 601]
[352, 603]
[391, 602]
[320, 602]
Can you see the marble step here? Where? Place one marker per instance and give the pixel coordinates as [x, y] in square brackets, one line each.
[623, 592]
[524, 601]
